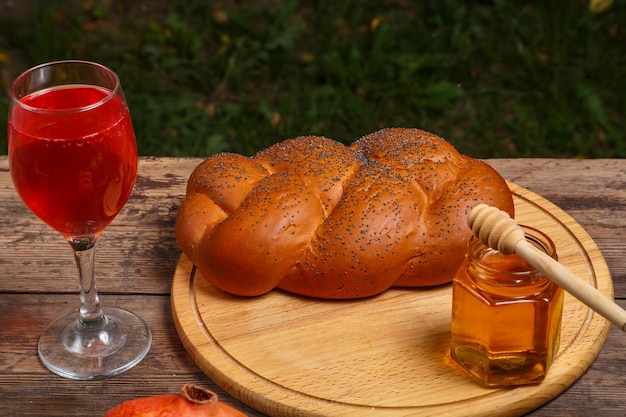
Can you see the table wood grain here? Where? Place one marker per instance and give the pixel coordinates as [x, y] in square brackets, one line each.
[137, 255]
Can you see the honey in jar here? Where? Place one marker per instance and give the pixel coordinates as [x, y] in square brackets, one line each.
[506, 315]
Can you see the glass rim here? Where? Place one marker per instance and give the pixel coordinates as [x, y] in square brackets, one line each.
[111, 92]
[534, 236]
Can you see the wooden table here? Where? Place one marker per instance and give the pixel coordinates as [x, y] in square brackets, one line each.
[135, 262]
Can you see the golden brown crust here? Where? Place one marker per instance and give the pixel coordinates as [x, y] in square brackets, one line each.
[314, 217]
[323, 164]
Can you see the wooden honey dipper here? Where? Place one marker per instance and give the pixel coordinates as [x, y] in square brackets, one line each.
[496, 229]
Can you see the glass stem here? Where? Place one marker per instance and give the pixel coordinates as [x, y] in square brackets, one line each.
[84, 250]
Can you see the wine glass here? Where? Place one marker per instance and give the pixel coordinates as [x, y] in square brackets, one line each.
[73, 161]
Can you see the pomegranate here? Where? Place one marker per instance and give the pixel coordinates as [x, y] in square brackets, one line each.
[193, 401]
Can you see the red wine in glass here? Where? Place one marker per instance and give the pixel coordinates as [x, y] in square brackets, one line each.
[73, 161]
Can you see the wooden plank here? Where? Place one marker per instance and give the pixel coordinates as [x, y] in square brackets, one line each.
[141, 238]
[27, 388]
[137, 253]
[592, 191]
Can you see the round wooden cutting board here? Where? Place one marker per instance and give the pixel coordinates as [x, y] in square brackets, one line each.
[287, 355]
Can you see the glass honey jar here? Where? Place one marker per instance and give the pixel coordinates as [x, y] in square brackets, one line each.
[506, 315]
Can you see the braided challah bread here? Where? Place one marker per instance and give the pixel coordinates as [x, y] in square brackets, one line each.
[315, 217]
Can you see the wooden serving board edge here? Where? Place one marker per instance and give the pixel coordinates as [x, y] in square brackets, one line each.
[270, 401]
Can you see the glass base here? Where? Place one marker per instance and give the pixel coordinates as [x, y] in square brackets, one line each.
[95, 351]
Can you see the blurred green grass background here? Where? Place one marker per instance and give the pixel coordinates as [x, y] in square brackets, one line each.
[495, 78]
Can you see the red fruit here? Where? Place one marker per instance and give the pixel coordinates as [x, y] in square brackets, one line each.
[193, 401]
